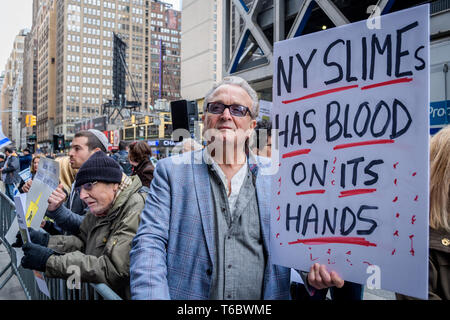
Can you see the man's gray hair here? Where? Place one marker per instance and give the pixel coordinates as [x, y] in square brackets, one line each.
[236, 81]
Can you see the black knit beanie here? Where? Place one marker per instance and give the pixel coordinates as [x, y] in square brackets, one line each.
[99, 167]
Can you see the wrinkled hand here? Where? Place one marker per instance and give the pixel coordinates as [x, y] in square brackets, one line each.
[27, 186]
[56, 199]
[320, 278]
[35, 256]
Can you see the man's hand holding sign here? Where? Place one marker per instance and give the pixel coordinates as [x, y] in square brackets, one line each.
[351, 194]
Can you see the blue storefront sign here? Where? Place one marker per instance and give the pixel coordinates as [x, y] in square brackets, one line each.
[439, 115]
[153, 143]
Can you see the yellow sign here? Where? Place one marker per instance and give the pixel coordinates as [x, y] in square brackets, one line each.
[32, 210]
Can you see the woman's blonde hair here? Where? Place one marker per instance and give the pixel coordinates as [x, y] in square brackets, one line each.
[66, 173]
[440, 180]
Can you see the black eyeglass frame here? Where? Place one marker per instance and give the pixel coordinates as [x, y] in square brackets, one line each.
[230, 108]
[88, 186]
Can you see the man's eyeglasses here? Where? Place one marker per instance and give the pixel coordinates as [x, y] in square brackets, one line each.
[88, 186]
[235, 109]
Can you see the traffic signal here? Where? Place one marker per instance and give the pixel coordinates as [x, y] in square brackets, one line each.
[58, 142]
[147, 119]
[30, 120]
[133, 119]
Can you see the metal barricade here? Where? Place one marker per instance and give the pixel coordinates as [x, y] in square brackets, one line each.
[7, 214]
[87, 291]
[58, 288]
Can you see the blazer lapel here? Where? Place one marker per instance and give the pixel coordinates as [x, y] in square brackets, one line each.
[263, 196]
[202, 188]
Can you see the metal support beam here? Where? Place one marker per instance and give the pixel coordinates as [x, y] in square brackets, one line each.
[278, 20]
[332, 12]
[250, 26]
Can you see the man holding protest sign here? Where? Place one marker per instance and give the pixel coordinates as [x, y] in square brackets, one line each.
[204, 231]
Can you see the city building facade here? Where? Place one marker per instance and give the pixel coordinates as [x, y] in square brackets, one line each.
[11, 92]
[75, 60]
[201, 48]
[29, 90]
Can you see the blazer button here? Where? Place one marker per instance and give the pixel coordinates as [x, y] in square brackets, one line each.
[209, 272]
[446, 242]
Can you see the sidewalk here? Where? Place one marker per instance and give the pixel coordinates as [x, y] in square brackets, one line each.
[378, 294]
[12, 290]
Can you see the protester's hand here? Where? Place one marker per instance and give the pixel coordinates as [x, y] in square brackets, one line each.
[39, 237]
[35, 256]
[56, 199]
[27, 186]
[320, 278]
[19, 242]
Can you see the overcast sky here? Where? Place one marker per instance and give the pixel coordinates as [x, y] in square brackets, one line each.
[16, 15]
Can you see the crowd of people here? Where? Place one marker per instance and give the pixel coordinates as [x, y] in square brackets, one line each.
[195, 228]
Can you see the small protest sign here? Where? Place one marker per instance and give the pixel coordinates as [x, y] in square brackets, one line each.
[44, 183]
[20, 201]
[25, 174]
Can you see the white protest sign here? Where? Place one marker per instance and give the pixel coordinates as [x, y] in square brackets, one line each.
[264, 110]
[44, 183]
[351, 107]
[40, 281]
[25, 175]
[20, 201]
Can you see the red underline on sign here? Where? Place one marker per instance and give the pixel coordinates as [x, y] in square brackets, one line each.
[310, 192]
[362, 143]
[347, 240]
[387, 83]
[355, 192]
[321, 93]
[296, 153]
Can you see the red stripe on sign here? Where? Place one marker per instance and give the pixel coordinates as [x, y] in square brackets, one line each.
[296, 153]
[310, 192]
[326, 240]
[387, 83]
[354, 192]
[320, 93]
[363, 143]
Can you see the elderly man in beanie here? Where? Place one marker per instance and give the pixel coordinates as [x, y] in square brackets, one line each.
[68, 216]
[101, 248]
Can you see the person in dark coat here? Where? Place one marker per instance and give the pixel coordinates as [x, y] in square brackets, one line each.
[11, 172]
[25, 160]
[139, 156]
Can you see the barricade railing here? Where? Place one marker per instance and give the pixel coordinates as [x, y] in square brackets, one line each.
[7, 215]
[58, 288]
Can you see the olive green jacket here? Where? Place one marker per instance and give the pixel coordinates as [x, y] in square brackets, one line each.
[102, 248]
